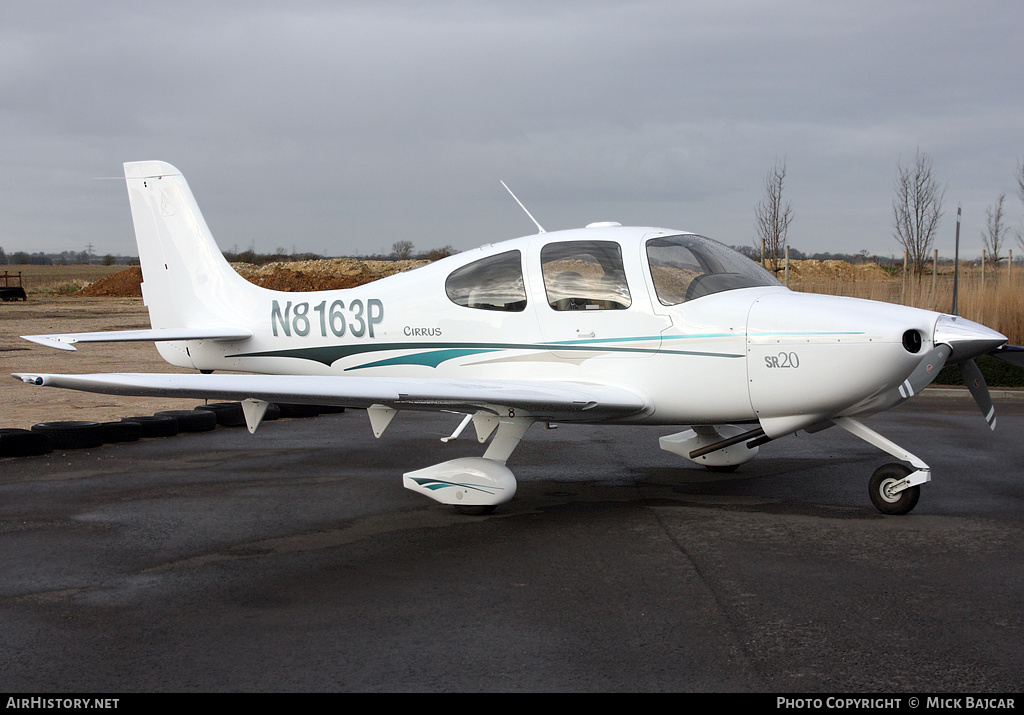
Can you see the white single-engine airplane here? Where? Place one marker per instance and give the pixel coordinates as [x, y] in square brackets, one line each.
[604, 324]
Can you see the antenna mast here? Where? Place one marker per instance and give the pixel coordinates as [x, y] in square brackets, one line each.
[540, 229]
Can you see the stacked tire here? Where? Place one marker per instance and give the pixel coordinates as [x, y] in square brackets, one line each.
[231, 414]
[45, 437]
[72, 435]
[114, 432]
[299, 410]
[192, 420]
[227, 414]
[23, 443]
[155, 425]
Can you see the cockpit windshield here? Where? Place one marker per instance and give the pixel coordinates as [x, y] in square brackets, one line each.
[688, 267]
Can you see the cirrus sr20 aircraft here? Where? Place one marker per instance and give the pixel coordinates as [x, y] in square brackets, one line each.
[605, 324]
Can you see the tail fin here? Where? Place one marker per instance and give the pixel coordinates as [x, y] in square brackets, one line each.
[187, 283]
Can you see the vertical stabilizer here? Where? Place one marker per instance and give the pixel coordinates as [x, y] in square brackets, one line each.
[187, 283]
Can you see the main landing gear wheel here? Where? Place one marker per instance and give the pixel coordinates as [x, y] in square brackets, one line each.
[887, 502]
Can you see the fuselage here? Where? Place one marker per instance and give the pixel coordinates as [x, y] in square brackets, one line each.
[707, 335]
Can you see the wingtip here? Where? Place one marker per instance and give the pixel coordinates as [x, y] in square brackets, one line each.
[27, 378]
[49, 341]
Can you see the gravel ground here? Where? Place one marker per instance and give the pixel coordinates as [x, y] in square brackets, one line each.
[25, 405]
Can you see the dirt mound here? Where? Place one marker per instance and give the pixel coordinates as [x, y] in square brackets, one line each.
[295, 276]
[327, 274]
[819, 271]
[123, 284]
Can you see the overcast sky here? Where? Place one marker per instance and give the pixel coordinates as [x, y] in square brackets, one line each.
[342, 127]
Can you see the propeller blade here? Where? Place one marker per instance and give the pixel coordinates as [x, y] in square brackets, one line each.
[926, 371]
[975, 382]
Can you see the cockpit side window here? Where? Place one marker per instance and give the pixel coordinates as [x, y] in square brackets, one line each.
[492, 283]
[584, 275]
[688, 267]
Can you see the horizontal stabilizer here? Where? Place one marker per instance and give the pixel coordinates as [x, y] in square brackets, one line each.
[63, 341]
[561, 401]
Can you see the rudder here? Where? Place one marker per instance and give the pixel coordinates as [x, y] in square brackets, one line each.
[187, 283]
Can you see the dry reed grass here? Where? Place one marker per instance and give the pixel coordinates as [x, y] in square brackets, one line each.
[993, 299]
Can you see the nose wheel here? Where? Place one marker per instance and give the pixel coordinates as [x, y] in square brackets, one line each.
[885, 490]
[894, 488]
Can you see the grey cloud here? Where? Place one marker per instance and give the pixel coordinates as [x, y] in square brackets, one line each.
[337, 126]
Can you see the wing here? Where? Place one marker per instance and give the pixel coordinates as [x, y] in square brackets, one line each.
[542, 400]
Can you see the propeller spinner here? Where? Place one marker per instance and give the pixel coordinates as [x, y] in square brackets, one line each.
[968, 340]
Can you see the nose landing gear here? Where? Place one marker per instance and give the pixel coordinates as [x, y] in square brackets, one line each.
[885, 492]
[894, 488]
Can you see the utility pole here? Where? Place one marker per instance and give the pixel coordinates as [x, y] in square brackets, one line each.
[903, 289]
[956, 261]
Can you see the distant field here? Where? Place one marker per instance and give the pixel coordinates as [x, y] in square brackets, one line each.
[56, 279]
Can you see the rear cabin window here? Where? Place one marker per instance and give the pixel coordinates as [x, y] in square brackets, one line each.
[492, 283]
[584, 275]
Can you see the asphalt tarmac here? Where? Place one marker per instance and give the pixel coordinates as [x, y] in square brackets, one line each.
[293, 560]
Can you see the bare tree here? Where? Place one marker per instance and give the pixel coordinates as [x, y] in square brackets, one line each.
[994, 235]
[1020, 193]
[1020, 179]
[917, 209]
[401, 249]
[773, 217]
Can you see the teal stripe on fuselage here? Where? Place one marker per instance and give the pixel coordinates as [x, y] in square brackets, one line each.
[432, 358]
[433, 354]
[329, 354]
